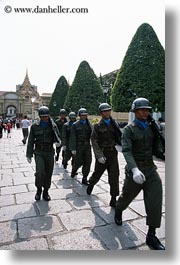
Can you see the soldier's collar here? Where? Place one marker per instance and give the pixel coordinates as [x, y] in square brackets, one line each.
[37, 122]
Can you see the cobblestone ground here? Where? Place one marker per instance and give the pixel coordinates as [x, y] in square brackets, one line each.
[72, 220]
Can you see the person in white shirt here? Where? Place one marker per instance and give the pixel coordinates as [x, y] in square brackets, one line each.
[25, 124]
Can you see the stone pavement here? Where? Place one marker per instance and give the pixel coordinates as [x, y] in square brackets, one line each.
[72, 220]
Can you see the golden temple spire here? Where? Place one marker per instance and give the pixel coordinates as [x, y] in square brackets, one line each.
[26, 79]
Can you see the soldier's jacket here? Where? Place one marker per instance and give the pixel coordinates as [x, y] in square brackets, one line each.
[60, 124]
[138, 144]
[103, 136]
[66, 132]
[40, 137]
[80, 134]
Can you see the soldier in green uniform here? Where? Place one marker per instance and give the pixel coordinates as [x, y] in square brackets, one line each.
[138, 149]
[79, 145]
[66, 132]
[106, 134]
[60, 122]
[40, 144]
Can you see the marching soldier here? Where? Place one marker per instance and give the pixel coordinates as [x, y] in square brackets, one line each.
[80, 145]
[60, 122]
[42, 137]
[106, 134]
[66, 132]
[138, 148]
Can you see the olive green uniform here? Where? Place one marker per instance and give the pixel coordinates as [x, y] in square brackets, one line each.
[137, 148]
[80, 141]
[60, 124]
[40, 143]
[66, 132]
[103, 141]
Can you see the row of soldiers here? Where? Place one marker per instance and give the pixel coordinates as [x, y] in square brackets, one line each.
[139, 144]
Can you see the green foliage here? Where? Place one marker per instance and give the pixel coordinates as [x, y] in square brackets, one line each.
[58, 97]
[85, 91]
[142, 72]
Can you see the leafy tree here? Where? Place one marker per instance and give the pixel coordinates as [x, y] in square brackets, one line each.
[58, 96]
[85, 91]
[142, 72]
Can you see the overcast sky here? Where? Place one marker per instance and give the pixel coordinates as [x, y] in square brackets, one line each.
[51, 45]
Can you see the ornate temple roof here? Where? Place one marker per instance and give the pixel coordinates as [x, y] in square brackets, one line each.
[26, 82]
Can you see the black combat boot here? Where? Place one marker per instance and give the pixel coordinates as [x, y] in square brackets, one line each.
[65, 165]
[118, 217]
[113, 201]
[84, 181]
[89, 188]
[46, 196]
[38, 194]
[152, 241]
[73, 173]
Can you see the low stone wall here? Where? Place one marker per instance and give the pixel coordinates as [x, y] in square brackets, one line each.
[118, 116]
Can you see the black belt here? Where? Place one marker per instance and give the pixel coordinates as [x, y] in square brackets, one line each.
[86, 143]
[111, 148]
[145, 162]
[44, 147]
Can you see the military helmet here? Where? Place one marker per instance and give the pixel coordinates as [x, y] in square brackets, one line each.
[82, 111]
[104, 107]
[140, 103]
[43, 111]
[62, 111]
[72, 115]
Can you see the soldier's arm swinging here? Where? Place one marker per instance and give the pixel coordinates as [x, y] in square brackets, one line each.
[127, 148]
[94, 139]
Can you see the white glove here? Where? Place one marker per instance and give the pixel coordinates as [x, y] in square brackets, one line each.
[64, 148]
[29, 159]
[73, 152]
[138, 176]
[57, 144]
[102, 160]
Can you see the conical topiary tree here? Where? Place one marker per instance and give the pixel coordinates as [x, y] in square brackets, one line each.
[142, 72]
[58, 96]
[85, 91]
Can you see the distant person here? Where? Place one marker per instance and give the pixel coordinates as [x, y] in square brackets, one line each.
[25, 124]
[60, 122]
[66, 133]
[17, 123]
[1, 129]
[161, 125]
[8, 128]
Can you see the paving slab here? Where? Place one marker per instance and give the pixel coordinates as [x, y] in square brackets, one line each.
[38, 226]
[15, 212]
[120, 237]
[8, 232]
[80, 219]
[13, 189]
[34, 244]
[80, 240]
[53, 207]
[6, 200]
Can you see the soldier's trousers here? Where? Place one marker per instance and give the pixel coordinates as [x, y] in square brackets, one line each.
[58, 150]
[82, 158]
[68, 155]
[44, 168]
[112, 167]
[152, 189]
